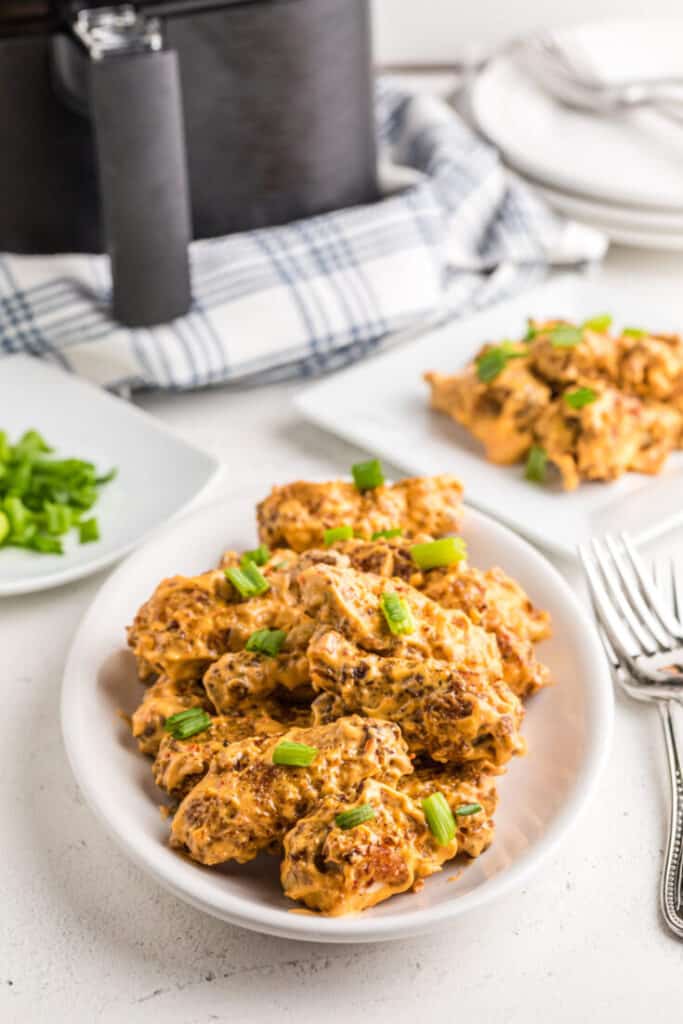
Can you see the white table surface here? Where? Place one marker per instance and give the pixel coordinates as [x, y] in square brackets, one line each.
[85, 936]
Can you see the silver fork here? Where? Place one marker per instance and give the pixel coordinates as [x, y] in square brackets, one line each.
[567, 73]
[667, 697]
[644, 630]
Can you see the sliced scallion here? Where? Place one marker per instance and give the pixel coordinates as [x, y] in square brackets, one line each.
[397, 614]
[354, 816]
[248, 581]
[565, 336]
[266, 641]
[295, 755]
[336, 533]
[465, 809]
[259, 555]
[439, 818]
[601, 322]
[368, 475]
[580, 397]
[395, 531]
[187, 723]
[436, 554]
[536, 464]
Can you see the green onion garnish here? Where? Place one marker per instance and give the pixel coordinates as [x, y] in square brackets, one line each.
[494, 360]
[536, 464]
[465, 809]
[397, 613]
[601, 322]
[436, 554]
[439, 818]
[248, 581]
[580, 397]
[259, 556]
[354, 816]
[43, 498]
[266, 641]
[187, 723]
[395, 531]
[565, 336]
[368, 475]
[531, 331]
[337, 533]
[634, 332]
[88, 531]
[297, 755]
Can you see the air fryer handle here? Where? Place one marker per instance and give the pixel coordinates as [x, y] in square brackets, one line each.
[137, 114]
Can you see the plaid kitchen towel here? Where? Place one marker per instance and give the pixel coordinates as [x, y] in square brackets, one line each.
[316, 294]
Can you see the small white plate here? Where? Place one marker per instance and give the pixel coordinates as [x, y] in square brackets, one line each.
[158, 473]
[382, 405]
[633, 159]
[568, 728]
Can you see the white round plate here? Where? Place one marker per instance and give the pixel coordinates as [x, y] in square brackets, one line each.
[568, 728]
[633, 159]
[619, 223]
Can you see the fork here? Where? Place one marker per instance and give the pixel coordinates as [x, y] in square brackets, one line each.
[569, 75]
[643, 629]
[667, 697]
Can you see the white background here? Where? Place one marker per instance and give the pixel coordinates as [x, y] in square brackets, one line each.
[440, 30]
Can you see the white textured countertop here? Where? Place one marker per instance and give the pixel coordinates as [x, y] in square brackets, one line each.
[85, 936]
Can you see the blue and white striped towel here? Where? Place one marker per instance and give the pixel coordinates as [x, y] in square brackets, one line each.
[319, 293]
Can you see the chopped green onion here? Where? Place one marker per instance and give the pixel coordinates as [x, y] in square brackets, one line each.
[492, 362]
[337, 533]
[45, 545]
[395, 531]
[248, 581]
[601, 322]
[536, 464]
[465, 809]
[5, 526]
[580, 397]
[354, 816]
[397, 613]
[565, 336]
[17, 513]
[107, 477]
[187, 723]
[259, 556]
[5, 448]
[634, 332]
[368, 475]
[436, 554]
[439, 818]
[266, 641]
[531, 331]
[296, 755]
[88, 531]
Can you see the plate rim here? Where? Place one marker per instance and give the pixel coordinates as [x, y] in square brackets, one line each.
[241, 910]
[212, 469]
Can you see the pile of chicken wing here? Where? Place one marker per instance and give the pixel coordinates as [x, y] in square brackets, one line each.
[594, 403]
[391, 716]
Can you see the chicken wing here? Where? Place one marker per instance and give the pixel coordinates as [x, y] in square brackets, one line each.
[296, 515]
[246, 803]
[341, 871]
[449, 712]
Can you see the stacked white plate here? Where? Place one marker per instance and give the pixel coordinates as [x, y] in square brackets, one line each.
[622, 174]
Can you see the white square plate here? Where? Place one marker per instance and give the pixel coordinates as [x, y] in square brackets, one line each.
[158, 474]
[383, 405]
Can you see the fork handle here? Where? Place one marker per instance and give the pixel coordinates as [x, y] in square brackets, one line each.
[671, 873]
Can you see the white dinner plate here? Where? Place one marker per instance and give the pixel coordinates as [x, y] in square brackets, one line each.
[625, 225]
[567, 726]
[158, 473]
[382, 404]
[634, 159]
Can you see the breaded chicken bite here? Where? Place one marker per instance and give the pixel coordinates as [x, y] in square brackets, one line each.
[351, 602]
[451, 713]
[464, 787]
[500, 413]
[297, 515]
[189, 622]
[594, 356]
[164, 698]
[180, 764]
[604, 439]
[651, 365]
[338, 870]
[246, 803]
